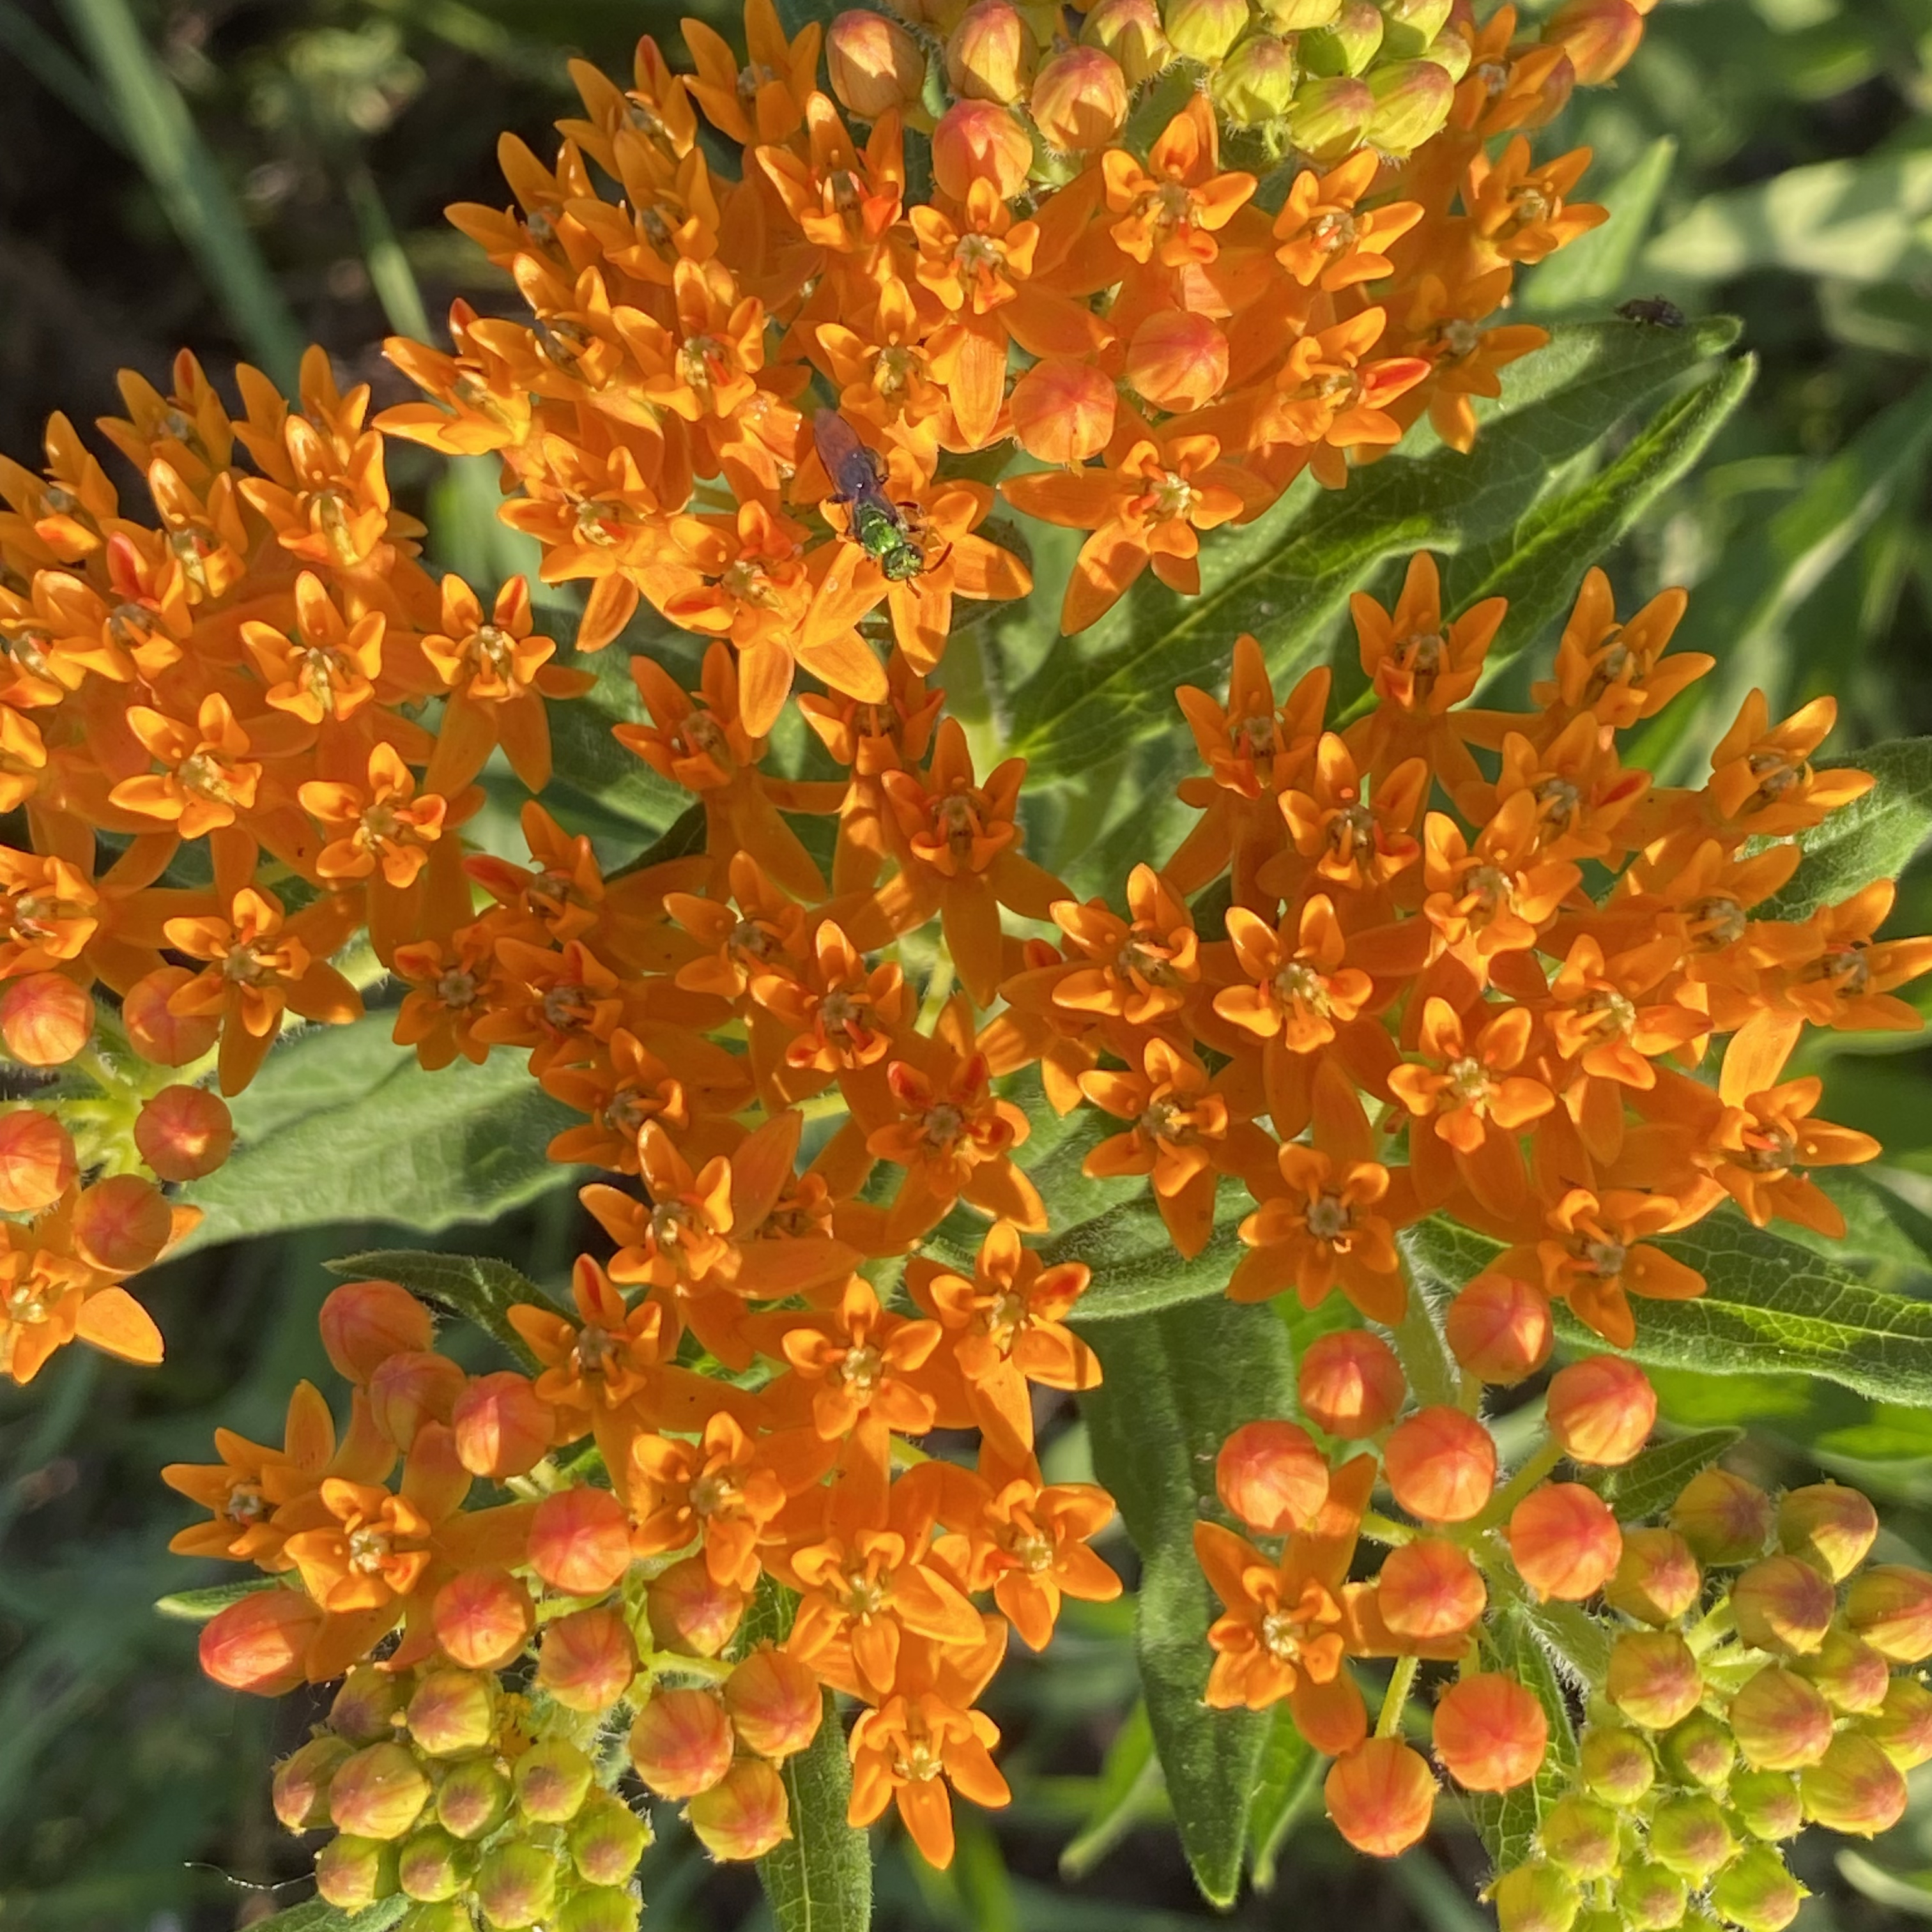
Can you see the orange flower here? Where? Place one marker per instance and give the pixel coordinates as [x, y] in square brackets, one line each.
[1327, 398]
[1518, 210]
[722, 1488]
[1597, 1257]
[329, 669]
[853, 1368]
[1326, 241]
[1169, 211]
[766, 99]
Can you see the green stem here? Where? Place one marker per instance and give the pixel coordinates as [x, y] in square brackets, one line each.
[1401, 1681]
[1519, 1486]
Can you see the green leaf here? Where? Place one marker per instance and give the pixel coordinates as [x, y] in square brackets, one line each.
[820, 1879]
[318, 1915]
[1178, 1381]
[1137, 1269]
[1129, 1777]
[1287, 1789]
[479, 1288]
[196, 1606]
[1646, 1484]
[1597, 266]
[590, 762]
[1874, 837]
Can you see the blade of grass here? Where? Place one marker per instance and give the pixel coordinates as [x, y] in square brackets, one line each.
[390, 275]
[57, 70]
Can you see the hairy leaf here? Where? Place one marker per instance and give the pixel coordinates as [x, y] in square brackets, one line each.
[1650, 1481]
[1875, 837]
[479, 1288]
[1287, 1789]
[820, 1879]
[317, 1915]
[196, 1606]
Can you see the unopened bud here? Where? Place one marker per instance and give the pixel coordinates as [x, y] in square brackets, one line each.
[1616, 1765]
[1490, 1732]
[1755, 1892]
[1767, 1805]
[364, 1323]
[300, 1792]
[407, 1390]
[1381, 1796]
[1602, 1410]
[775, 1704]
[1780, 1722]
[1651, 1898]
[1330, 117]
[1701, 1751]
[473, 1800]
[1829, 1525]
[260, 1644]
[691, 1613]
[681, 1743]
[1690, 1837]
[1271, 1474]
[875, 66]
[1600, 36]
[432, 1867]
[502, 1427]
[1852, 1677]
[1582, 1835]
[121, 1224]
[1854, 1788]
[978, 140]
[1454, 49]
[1063, 410]
[1902, 1729]
[369, 1698]
[1178, 361]
[1442, 1465]
[1653, 1678]
[1413, 99]
[453, 1713]
[1724, 1518]
[1891, 1607]
[1657, 1578]
[37, 1160]
[1564, 1541]
[990, 54]
[45, 1019]
[1296, 16]
[586, 1660]
[1131, 30]
[1499, 1327]
[1203, 30]
[744, 1814]
[1255, 84]
[1429, 1588]
[1410, 25]
[1347, 46]
[1537, 1897]
[1079, 100]
[607, 1839]
[164, 1038]
[483, 1618]
[552, 1779]
[580, 1540]
[1350, 1383]
[608, 1908]
[1783, 1604]
[379, 1792]
[352, 1873]
[185, 1132]
[516, 1887]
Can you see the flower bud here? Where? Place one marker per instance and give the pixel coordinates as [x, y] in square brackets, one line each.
[690, 1613]
[369, 1698]
[432, 1866]
[1255, 84]
[1829, 1525]
[1535, 1897]
[976, 140]
[1452, 49]
[1783, 1604]
[1616, 1765]
[1131, 30]
[1079, 100]
[1442, 1465]
[744, 1814]
[1650, 1899]
[1409, 26]
[352, 1873]
[1064, 409]
[1653, 1678]
[1854, 1788]
[1203, 30]
[300, 1792]
[1490, 1731]
[1780, 1722]
[1767, 1803]
[1700, 1750]
[473, 1800]
[1657, 1578]
[408, 1390]
[1296, 16]
[1599, 36]
[1891, 1607]
[1350, 1383]
[586, 1660]
[1902, 1729]
[580, 1540]
[1271, 1475]
[1850, 1676]
[502, 1427]
[45, 1019]
[453, 1713]
[258, 1644]
[875, 66]
[775, 1704]
[166, 1038]
[1564, 1541]
[379, 1792]
[608, 1908]
[1330, 117]
[1413, 99]
[990, 54]
[483, 1618]
[1381, 1795]
[1581, 1835]
[185, 1132]
[1429, 1588]
[1602, 1410]
[1345, 47]
[516, 1887]
[37, 1160]
[121, 1224]
[364, 1323]
[1724, 1518]
[1756, 1893]
[606, 1840]
[1499, 1327]
[552, 1778]
[1690, 1837]
[681, 1743]
[1178, 361]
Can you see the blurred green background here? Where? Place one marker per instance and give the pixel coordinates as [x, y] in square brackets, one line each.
[246, 177]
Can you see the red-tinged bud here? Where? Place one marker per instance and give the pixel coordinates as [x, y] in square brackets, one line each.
[1854, 1788]
[1851, 1676]
[1348, 44]
[45, 1019]
[976, 140]
[990, 54]
[1616, 1765]
[366, 1704]
[185, 1132]
[552, 1778]
[1429, 1588]
[1829, 1525]
[1297, 16]
[121, 1224]
[1701, 1751]
[1903, 1728]
[1442, 1465]
[1891, 1607]
[1330, 117]
[502, 1427]
[379, 1792]
[1350, 1384]
[1452, 49]
[690, 1612]
[364, 1323]
[37, 1160]
[1651, 1898]
[1381, 1795]
[1063, 410]
[1780, 1722]
[1203, 30]
[744, 1814]
[1657, 1578]
[1691, 1837]
[1755, 1892]
[1255, 84]
[432, 1867]
[1602, 1410]
[1724, 1518]
[407, 1390]
[259, 1644]
[300, 1792]
[516, 1887]
[580, 1540]
[166, 1038]
[1079, 100]
[1552, 97]
[1131, 30]
[1580, 1836]
[1413, 99]
[1490, 1732]
[453, 1713]
[483, 1618]
[1499, 1327]
[586, 1660]
[1410, 25]
[473, 1800]
[1767, 1805]
[1564, 1541]
[1271, 1475]
[1784, 1605]
[608, 1908]
[352, 1873]
[681, 1743]
[876, 66]
[1537, 1897]
[607, 1839]
[1653, 1678]
[1599, 36]
[775, 1704]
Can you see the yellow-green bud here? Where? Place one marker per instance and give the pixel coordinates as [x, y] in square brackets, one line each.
[516, 1887]
[1131, 30]
[990, 55]
[1452, 50]
[1890, 1606]
[1756, 1892]
[1617, 1765]
[300, 1787]
[453, 1713]
[607, 1839]
[1654, 1678]
[1724, 1518]
[1690, 1837]
[1295, 17]
[369, 1698]
[380, 1793]
[1348, 45]
[553, 1779]
[351, 1873]
[1330, 117]
[1767, 1803]
[1780, 1722]
[1701, 1751]
[1657, 1578]
[473, 1800]
[1784, 1605]
[1829, 1525]
[1651, 1898]
[432, 1866]
[1853, 1677]
[1535, 1898]
[1413, 99]
[608, 1908]
[1410, 25]
[1854, 1788]
[1902, 1729]
[1256, 83]
[1582, 1835]
[1203, 30]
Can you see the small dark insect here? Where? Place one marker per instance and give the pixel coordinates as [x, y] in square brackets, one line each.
[1653, 311]
[880, 527]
